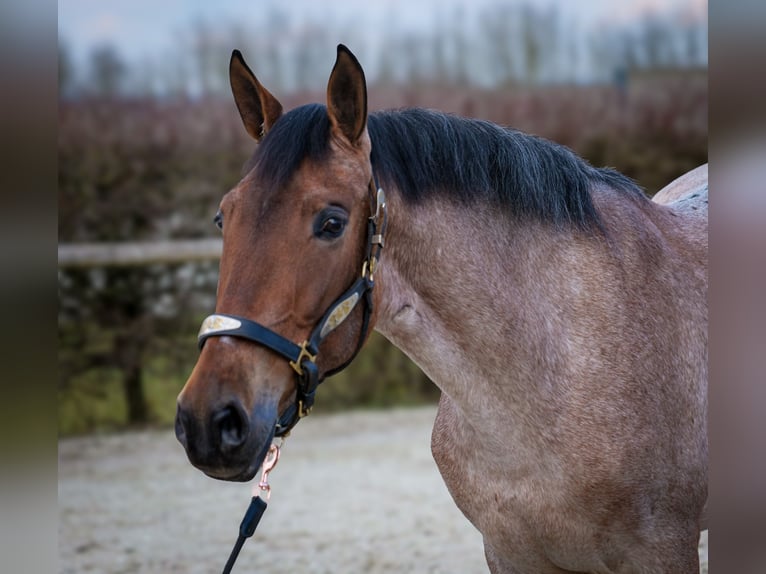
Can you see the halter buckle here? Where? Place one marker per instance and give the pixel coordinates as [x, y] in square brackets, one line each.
[297, 364]
[303, 411]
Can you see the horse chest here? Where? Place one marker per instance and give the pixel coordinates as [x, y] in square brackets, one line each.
[526, 519]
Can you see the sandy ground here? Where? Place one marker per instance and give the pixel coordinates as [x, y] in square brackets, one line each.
[353, 493]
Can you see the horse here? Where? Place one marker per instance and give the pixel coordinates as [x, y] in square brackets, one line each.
[560, 311]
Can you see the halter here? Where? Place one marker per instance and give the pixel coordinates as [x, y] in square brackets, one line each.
[302, 358]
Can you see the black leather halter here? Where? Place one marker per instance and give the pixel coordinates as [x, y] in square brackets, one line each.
[302, 358]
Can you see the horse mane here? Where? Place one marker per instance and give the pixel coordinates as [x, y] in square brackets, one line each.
[424, 153]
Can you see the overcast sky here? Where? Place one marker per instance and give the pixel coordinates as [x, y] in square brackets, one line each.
[148, 28]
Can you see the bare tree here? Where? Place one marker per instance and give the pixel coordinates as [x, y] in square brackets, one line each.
[310, 57]
[65, 70]
[540, 44]
[441, 70]
[272, 56]
[108, 71]
[414, 58]
[461, 56]
[210, 55]
[695, 43]
[498, 27]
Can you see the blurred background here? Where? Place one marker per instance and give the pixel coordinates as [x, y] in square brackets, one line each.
[149, 140]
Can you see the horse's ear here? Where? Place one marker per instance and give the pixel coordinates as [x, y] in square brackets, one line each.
[257, 107]
[347, 96]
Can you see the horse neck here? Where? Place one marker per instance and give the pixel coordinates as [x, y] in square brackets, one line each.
[484, 305]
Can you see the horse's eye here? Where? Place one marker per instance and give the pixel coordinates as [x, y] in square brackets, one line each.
[218, 220]
[330, 223]
[332, 226]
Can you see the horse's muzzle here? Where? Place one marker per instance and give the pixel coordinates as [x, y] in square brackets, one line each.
[227, 444]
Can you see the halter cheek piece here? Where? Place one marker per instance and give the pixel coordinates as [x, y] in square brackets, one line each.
[302, 358]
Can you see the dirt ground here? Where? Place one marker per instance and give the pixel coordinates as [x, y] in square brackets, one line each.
[352, 493]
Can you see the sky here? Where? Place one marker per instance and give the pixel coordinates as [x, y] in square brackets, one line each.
[144, 27]
[144, 30]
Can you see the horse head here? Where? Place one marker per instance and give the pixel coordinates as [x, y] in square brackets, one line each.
[297, 260]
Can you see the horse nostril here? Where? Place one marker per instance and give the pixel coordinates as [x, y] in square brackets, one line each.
[231, 425]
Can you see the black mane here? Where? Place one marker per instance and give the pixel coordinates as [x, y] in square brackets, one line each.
[424, 153]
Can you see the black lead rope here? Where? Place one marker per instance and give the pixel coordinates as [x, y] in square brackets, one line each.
[246, 529]
[256, 509]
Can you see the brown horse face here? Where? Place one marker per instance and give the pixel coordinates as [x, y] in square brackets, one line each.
[290, 250]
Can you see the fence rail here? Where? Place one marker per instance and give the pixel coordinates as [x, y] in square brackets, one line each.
[138, 253]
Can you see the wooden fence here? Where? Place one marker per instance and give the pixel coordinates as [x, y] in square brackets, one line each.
[139, 253]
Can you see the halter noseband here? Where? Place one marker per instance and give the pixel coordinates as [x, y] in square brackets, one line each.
[302, 358]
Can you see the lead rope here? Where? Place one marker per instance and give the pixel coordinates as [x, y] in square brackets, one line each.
[257, 506]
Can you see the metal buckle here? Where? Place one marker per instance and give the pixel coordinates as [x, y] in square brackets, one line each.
[303, 411]
[272, 458]
[296, 365]
[368, 268]
[380, 204]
